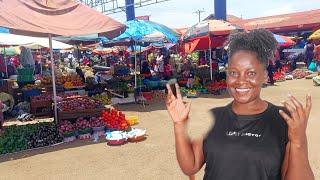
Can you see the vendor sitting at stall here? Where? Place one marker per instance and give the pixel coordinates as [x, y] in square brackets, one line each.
[6, 105]
[145, 69]
[81, 74]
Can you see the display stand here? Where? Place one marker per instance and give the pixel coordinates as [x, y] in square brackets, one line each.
[35, 106]
[62, 115]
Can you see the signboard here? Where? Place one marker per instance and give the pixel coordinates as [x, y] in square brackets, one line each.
[145, 18]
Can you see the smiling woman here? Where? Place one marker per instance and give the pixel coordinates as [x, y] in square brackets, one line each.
[251, 139]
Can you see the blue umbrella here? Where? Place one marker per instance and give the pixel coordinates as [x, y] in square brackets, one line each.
[137, 29]
[279, 39]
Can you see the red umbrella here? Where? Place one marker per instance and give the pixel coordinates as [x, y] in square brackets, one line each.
[58, 17]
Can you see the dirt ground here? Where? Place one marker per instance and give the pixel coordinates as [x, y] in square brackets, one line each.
[153, 158]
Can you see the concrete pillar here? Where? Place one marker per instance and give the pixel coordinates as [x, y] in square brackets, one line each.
[130, 10]
[220, 9]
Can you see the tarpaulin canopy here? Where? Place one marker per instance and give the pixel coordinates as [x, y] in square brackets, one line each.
[82, 40]
[138, 29]
[30, 42]
[11, 39]
[10, 51]
[211, 27]
[44, 43]
[58, 17]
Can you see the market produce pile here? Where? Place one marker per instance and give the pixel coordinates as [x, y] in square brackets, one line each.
[46, 80]
[279, 76]
[299, 74]
[42, 97]
[70, 81]
[114, 119]
[215, 86]
[96, 122]
[79, 103]
[104, 99]
[18, 138]
[83, 126]
[66, 127]
[44, 136]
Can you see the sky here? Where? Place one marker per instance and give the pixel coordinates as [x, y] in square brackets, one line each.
[180, 13]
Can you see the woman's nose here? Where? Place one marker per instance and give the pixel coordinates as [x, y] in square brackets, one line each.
[242, 79]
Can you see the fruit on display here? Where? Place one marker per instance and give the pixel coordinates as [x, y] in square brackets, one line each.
[30, 87]
[214, 86]
[66, 127]
[68, 85]
[44, 136]
[82, 123]
[104, 99]
[46, 80]
[132, 120]
[79, 103]
[114, 119]
[41, 98]
[96, 122]
[299, 74]
[70, 81]
[279, 76]
[192, 93]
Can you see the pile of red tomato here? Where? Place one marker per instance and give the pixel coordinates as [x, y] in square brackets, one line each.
[114, 119]
[214, 86]
[279, 76]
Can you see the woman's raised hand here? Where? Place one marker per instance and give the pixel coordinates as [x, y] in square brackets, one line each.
[297, 120]
[178, 110]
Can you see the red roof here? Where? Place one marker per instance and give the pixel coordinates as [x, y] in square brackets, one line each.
[307, 20]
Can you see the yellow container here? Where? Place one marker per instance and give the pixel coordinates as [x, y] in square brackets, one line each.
[132, 120]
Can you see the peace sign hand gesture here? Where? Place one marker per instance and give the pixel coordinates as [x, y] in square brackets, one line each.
[298, 119]
[178, 111]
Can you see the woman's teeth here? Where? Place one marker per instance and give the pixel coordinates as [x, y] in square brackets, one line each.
[242, 90]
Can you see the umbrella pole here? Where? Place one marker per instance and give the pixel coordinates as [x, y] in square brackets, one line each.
[205, 56]
[41, 71]
[5, 61]
[53, 80]
[210, 56]
[140, 59]
[135, 65]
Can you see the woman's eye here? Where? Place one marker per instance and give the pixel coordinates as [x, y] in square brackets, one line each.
[233, 73]
[251, 73]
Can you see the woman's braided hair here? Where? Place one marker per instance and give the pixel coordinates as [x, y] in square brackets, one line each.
[259, 41]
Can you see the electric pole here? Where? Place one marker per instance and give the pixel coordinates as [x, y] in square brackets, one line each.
[199, 13]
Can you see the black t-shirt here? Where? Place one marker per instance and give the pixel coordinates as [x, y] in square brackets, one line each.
[245, 147]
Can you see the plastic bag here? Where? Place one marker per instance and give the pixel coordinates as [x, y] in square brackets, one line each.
[312, 66]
